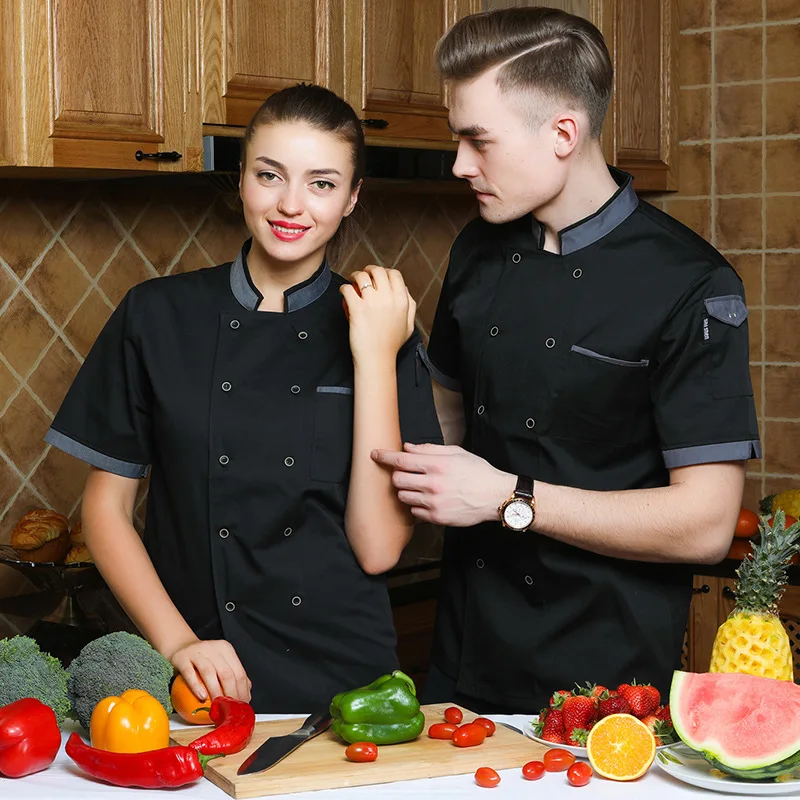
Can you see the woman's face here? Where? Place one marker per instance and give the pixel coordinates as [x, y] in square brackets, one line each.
[295, 186]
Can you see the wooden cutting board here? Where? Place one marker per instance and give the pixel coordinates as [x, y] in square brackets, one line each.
[321, 763]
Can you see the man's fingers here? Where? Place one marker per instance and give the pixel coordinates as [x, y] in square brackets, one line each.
[413, 499]
[402, 461]
[428, 449]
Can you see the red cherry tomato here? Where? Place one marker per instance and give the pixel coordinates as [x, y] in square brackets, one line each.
[486, 777]
[747, 524]
[453, 715]
[788, 523]
[579, 774]
[557, 760]
[469, 735]
[362, 751]
[442, 730]
[486, 723]
[533, 770]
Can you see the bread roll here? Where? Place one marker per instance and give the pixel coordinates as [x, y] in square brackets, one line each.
[41, 535]
[76, 534]
[78, 553]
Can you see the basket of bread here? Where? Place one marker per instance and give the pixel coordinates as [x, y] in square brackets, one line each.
[44, 536]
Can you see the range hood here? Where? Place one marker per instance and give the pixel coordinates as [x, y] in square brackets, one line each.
[221, 155]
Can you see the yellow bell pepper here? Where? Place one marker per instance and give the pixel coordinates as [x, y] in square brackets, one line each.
[131, 723]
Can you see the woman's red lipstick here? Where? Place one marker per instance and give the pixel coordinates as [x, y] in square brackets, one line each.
[287, 231]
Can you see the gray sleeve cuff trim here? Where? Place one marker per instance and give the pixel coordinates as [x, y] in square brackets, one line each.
[440, 377]
[711, 453]
[125, 469]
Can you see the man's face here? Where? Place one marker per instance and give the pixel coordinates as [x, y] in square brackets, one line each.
[511, 165]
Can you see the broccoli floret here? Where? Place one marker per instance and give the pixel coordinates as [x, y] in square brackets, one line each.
[112, 664]
[25, 671]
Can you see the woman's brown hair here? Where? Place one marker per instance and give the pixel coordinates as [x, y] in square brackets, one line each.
[542, 50]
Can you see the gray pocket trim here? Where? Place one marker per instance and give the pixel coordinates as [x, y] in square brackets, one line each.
[609, 359]
[334, 390]
[728, 308]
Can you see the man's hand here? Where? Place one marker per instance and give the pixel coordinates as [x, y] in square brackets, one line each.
[447, 485]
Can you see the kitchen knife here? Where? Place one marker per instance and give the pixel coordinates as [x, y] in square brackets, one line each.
[277, 748]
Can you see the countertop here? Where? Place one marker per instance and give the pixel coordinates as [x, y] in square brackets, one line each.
[64, 780]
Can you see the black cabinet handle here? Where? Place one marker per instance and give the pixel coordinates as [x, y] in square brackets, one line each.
[172, 155]
[704, 589]
[728, 593]
[375, 123]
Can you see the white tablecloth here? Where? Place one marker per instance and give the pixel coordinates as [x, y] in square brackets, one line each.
[65, 780]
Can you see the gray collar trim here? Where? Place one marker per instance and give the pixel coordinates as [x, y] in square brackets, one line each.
[296, 298]
[587, 231]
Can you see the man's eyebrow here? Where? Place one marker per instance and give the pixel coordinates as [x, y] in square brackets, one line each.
[471, 130]
[277, 165]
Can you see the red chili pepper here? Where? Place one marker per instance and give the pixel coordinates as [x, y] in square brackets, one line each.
[153, 769]
[29, 737]
[235, 722]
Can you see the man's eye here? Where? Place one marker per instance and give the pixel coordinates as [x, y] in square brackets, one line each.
[323, 185]
[478, 144]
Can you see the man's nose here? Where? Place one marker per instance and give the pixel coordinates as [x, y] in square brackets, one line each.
[464, 166]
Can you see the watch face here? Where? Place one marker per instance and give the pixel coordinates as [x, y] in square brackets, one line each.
[518, 515]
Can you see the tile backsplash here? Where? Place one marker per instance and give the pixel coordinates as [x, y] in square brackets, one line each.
[70, 251]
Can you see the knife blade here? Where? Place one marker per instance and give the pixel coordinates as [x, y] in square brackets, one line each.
[276, 748]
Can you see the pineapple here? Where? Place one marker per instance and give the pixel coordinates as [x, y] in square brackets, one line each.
[788, 502]
[753, 638]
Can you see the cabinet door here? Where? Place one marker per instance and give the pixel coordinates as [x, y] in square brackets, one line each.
[389, 73]
[253, 48]
[702, 623]
[789, 611]
[95, 81]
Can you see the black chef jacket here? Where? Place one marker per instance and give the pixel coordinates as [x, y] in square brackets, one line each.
[245, 419]
[599, 368]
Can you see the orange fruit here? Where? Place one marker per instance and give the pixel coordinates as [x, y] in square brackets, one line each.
[621, 747]
[186, 703]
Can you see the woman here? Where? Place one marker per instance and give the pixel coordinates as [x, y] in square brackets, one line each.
[245, 389]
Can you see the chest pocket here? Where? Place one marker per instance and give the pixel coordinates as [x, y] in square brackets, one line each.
[601, 398]
[332, 446]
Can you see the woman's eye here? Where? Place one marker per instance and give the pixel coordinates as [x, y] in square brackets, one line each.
[323, 185]
[267, 176]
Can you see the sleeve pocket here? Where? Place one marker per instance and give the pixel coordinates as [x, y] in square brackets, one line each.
[729, 308]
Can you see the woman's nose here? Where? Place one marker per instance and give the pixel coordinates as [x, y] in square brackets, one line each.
[291, 201]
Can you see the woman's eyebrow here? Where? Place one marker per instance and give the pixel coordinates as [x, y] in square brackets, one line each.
[277, 165]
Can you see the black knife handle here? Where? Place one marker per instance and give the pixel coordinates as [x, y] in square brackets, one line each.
[318, 722]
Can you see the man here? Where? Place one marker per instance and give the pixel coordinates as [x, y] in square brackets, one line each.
[592, 361]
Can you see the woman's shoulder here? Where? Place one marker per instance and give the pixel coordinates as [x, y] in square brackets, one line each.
[198, 282]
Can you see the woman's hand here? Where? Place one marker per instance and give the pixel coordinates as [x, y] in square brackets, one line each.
[381, 313]
[212, 665]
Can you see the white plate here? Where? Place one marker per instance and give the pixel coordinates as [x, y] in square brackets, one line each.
[578, 752]
[690, 767]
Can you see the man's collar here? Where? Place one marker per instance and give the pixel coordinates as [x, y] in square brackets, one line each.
[593, 228]
[296, 297]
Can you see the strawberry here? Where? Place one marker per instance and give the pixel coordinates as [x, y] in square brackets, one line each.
[640, 699]
[613, 704]
[622, 688]
[598, 691]
[655, 694]
[579, 712]
[555, 738]
[664, 714]
[558, 698]
[664, 733]
[577, 737]
[554, 723]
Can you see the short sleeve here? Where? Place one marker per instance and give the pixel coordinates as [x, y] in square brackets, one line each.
[700, 387]
[418, 421]
[442, 355]
[105, 418]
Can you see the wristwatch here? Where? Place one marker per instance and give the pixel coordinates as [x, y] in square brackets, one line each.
[519, 511]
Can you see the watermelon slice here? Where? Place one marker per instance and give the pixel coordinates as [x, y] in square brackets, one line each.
[742, 724]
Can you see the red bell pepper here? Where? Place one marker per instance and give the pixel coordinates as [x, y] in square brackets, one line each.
[235, 721]
[154, 769]
[29, 737]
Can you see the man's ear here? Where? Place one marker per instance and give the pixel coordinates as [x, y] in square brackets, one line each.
[567, 127]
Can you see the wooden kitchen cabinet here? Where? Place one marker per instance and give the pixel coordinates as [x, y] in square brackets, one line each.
[88, 83]
[640, 135]
[712, 602]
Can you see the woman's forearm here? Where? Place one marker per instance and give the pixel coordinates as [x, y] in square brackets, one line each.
[378, 525]
[122, 560]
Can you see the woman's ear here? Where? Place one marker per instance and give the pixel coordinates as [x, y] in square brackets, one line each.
[241, 177]
[353, 199]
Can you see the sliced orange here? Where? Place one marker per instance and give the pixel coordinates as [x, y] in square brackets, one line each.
[621, 747]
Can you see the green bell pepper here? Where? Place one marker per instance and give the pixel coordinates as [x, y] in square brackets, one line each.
[384, 712]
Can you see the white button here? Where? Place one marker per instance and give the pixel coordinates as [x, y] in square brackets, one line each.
[224, 460]
[577, 273]
[224, 533]
[230, 606]
[234, 323]
[479, 563]
[287, 532]
[295, 390]
[516, 258]
[494, 331]
[550, 343]
[481, 409]
[302, 335]
[289, 461]
[529, 580]
[226, 386]
[530, 422]
[296, 601]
